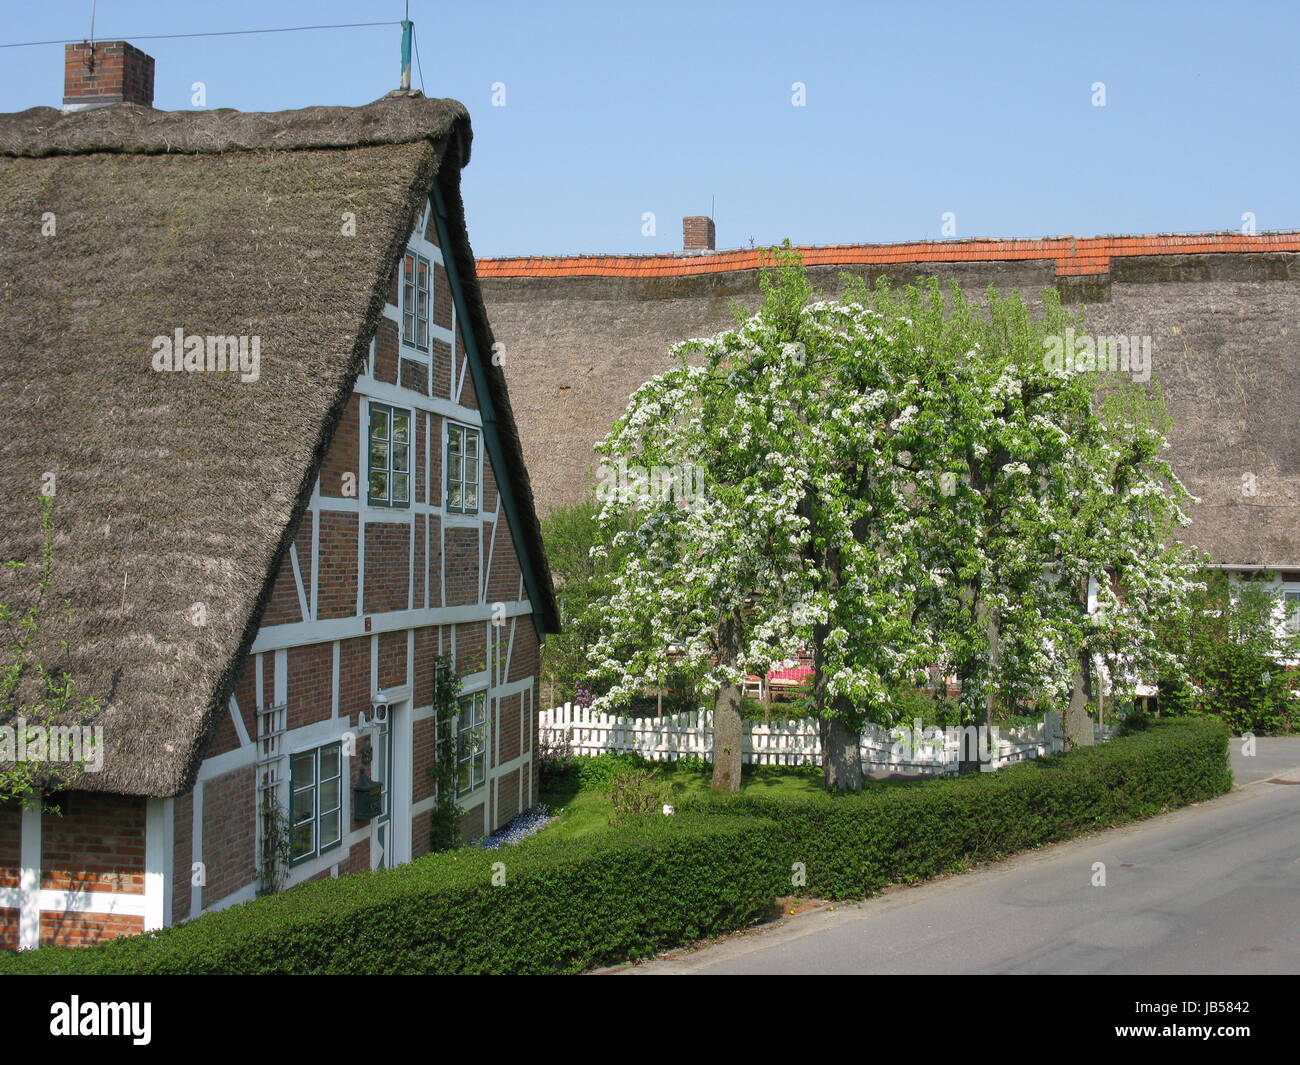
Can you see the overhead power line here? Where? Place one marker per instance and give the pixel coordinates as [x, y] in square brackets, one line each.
[211, 33]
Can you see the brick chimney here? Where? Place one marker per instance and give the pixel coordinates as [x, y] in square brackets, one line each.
[106, 72]
[698, 235]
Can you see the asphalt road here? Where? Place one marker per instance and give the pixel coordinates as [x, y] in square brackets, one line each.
[1213, 888]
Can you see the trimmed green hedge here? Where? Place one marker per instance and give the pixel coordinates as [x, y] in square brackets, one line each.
[717, 866]
[854, 845]
[566, 906]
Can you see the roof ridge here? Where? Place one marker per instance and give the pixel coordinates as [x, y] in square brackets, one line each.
[1074, 255]
[137, 130]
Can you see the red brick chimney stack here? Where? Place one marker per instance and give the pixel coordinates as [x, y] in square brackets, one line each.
[698, 235]
[106, 72]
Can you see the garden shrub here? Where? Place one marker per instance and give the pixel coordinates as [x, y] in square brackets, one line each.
[566, 905]
[854, 845]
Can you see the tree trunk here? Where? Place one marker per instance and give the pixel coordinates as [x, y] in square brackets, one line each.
[1078, 725]
[728, 739]
[841, 756]
[728, 725]
[972, 754]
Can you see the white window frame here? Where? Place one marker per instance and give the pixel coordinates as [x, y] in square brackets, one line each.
[462, 470]
[479, 700]
[317, 813]
[408, 301]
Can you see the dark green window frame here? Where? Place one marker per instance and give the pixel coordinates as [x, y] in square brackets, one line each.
[417, 300]
[389, 446]
[471, 742]
[315, 802]
[464, 465]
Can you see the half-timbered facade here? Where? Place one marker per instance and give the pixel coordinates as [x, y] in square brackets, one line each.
[314, 538]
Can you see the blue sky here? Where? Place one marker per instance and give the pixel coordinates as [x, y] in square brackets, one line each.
[912, 110]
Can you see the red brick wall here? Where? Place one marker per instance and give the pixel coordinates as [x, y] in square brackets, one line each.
[421, 422]
[441, 297]
[426, 649]
[471, 647]
[182, 855]
[386, 348]
[392, 658]
[435, 561]
[224, 737]
[358, 858]
[462, 549]
[503, 580]
[229, 833]
[354, 677]
[468, 397]
[489, 487]
[523, 660]
[437, 490]
[471, 822]
[246, 693]
[8, 929]
[508, 726]
[282, 608]
[441, 351]
[424, 755]
[419, 834]
[338, 566]
[11, 835]
[310, 672]
[508, 803]
[388, 566]
[85, 929]
[417, 578]
[95, 843]
[344, 453]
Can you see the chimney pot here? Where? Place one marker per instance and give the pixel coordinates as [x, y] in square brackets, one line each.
[698, 235]
[106, 72]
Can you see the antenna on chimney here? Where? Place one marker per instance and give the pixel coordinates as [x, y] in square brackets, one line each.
[406, 47]
[92, 34]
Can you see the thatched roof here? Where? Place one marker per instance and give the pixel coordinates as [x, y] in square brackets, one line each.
[1221, 309]
[183, 489]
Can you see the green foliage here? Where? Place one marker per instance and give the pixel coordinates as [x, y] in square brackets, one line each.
[444, 819]
[855, 845]
[599, 771]
[565, 906]
[275, 848]
[1230, 645]
[36, 693]
[637, 791]
[580, 582]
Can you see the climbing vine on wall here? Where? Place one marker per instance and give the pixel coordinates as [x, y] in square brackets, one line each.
[444, 823]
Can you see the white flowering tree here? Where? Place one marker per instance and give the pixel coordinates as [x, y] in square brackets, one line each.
[897, 479]
[1035, 484]
[797, 536]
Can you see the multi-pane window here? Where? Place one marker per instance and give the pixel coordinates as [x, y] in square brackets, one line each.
[415, 300]
[316, 801]
[462, 468]
[390, 456]
[1292, 602]
[471, 742]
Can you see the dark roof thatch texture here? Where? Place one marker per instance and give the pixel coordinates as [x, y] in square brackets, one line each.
[176, 489]
[1223, 329]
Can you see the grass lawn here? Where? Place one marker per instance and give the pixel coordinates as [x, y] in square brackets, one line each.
[582, 811]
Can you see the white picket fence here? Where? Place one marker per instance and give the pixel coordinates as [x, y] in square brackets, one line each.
[582, 731]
